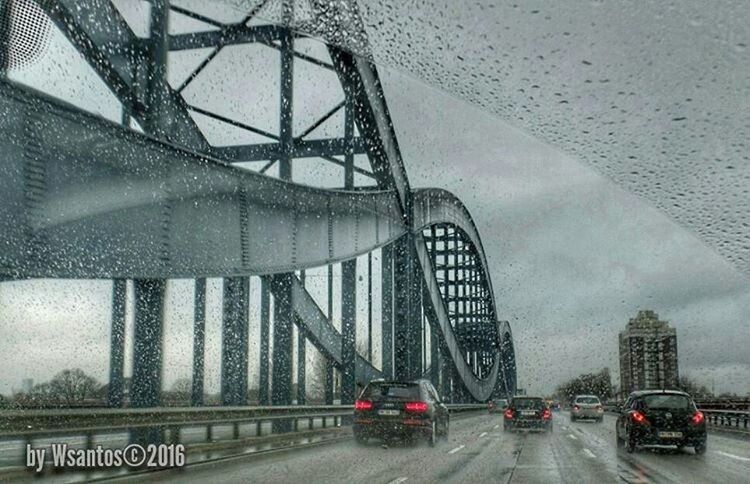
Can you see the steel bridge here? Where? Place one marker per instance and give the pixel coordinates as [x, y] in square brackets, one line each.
[152, 199]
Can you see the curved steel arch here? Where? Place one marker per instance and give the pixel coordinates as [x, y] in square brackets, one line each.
[171, 213]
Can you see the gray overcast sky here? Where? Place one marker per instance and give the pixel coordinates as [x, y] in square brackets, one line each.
[572, 256]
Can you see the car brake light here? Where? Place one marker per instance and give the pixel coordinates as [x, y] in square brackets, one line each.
[599, 408]
[697, 418]
[638, 417]
[546, 414]
[363, 405]
[508, 413]
[416, 407]
[576, 408]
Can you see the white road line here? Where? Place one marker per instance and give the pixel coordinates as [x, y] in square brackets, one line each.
[496, 426]
[399, 480]
[482, 434]
[732, 456]
[456, 449]
[589, 453]
[572, 436]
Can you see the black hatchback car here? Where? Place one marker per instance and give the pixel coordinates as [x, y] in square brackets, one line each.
[527, 413]
[661, 417]
[398, 409]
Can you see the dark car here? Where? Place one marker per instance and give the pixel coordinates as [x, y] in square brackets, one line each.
[527, 413]
[398, 409]
[661, 417]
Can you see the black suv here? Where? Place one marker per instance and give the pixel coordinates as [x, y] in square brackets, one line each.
[527, 413]
[398, 409]
[661, 417]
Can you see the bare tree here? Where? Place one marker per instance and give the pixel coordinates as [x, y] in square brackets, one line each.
[72, 386]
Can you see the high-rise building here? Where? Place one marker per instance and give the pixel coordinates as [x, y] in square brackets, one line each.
[648, 354]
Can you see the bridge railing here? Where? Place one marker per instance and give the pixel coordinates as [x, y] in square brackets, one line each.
[728, 420]
[28, 425]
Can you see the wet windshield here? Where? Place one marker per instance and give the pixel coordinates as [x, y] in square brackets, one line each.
[237, 228]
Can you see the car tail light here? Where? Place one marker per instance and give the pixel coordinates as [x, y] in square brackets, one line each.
[416, 407]
[697, 418]
[508, 413]
[546, 414]
[638, 418]
[599, 408]
[362, 405]
[576, 408]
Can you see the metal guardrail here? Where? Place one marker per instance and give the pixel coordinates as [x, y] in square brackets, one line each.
[32, 424]
[728, 419]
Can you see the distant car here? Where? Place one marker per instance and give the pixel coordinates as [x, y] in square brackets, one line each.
[555, 406]
[527, 413]
[400, 409]
[586, 407]
[661, 417]
[497, 406]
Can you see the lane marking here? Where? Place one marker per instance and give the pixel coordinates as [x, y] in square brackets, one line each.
[496, 426]
[589, 453]
[399, 480]
[482, 434]
[456, 449]
[732, 456]
[572, 436]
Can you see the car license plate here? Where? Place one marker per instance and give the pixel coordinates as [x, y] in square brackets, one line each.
[670, 435]
[388, 412]
[528, 413]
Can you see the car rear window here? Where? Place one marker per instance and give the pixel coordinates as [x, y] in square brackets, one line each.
[667, 401]
[587, 400]
[522, 403]
[381, 391]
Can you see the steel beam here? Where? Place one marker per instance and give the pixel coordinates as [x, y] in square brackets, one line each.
[145, 389]
[301, 357]
[297, 149]
[241, 34]
[265, 314]
[348, 330]
[117, 344]
[199, 337]
[283, 319]
[407, 328]
[328, 385]
[386, 316]
[234, 341]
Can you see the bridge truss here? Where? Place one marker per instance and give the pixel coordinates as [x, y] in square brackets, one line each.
[84, 197]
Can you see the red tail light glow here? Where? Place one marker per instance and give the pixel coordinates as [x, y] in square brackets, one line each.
[416, 407]
[362, 405]
[508, 413]
[576, 408]
[638, 418]
[697, 418]
[546, 414]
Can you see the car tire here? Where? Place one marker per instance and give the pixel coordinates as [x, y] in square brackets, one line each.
[432, 436]
[630, 446]
[572, 418]
[700, 449]
[549, 428]
[600, 420]
[446, 429]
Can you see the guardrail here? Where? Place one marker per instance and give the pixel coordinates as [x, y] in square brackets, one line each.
[28, 425]
[728, 419]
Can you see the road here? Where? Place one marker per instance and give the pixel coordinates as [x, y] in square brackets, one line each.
[479, 451]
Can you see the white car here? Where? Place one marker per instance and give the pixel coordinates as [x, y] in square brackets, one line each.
[586, 407]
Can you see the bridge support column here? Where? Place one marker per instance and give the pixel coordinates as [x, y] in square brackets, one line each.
[234, 341]
[387, 310]
[328, 384]
[117, 344]
[301, 358]
[407, 327]
[348, 330]
[281, 381]
[145, 388]
[199, 336]
[265, 316]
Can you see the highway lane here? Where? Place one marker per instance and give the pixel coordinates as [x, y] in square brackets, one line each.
[479, 451]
